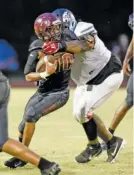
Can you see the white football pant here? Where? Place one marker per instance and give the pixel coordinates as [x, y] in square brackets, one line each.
[87, 97]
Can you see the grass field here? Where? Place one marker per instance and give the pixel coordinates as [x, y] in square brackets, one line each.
[59, 138]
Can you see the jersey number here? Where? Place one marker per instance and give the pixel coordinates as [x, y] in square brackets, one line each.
[65, 60]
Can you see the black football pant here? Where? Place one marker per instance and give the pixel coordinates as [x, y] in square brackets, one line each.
[41, 104]
[4, 97]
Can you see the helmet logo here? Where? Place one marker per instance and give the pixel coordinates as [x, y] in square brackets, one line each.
[47, 22]
[66, 17]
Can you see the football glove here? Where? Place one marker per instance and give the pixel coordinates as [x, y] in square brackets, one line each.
[50, 47]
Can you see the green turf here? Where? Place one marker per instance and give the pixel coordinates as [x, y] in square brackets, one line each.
[59, 138]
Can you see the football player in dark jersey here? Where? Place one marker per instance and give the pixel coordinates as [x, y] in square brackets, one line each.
[16, 148]
[53, 90]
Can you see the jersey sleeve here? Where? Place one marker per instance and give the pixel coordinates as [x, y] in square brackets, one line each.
[36, 45]
[34, 49]
[31, 62]
[84, 29]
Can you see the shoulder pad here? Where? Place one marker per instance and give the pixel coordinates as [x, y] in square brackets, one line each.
[35, 45]
[84, 28]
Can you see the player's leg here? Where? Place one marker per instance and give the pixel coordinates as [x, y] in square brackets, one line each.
[15, 162]
[93, 148]
[85, 98]
[20, 151]
[94, 98]
[4, 97]
[123, 109]
[44, 104]
[15, 148]
[105, 90]
[31, 102]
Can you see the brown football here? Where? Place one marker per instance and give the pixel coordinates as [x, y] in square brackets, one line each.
[41, 65]
[60, 57]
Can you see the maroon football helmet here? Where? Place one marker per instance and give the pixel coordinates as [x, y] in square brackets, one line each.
[47, 27]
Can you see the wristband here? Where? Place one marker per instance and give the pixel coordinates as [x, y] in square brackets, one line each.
[45, 58]
[44, 75]
[62, 46]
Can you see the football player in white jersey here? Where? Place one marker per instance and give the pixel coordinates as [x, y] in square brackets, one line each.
[97, 74]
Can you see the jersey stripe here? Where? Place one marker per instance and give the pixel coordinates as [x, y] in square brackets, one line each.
[89, 30]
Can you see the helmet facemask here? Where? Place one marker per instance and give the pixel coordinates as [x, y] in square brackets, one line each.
[54, 32]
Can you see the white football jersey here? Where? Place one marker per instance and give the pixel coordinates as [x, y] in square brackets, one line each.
[87, 65]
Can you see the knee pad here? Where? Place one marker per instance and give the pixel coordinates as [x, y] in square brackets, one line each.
[28, 118]
[129, 100]
[79, 116]
[30, 115]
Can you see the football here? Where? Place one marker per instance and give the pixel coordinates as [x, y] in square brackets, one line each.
[61, 57]
[41, 65]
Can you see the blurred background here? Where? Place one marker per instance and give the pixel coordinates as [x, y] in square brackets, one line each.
[110, 18]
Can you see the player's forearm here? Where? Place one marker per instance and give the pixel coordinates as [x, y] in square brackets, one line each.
[129, 54]
[77, 46]
[33, 76]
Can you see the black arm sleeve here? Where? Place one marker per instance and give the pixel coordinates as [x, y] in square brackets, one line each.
[36, 45]
[31, 62]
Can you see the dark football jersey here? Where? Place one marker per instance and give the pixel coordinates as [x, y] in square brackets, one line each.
[57, 81]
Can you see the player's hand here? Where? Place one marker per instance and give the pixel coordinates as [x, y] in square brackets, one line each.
[90, 40]
[51, 67]
[50, 47]
[68, 60]
[126, 68]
